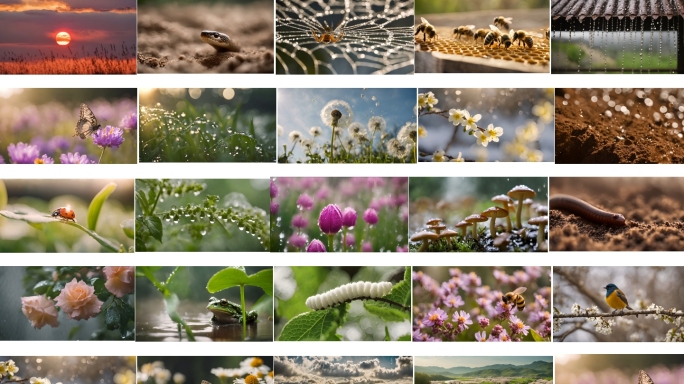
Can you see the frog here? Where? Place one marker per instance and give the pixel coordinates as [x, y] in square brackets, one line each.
[227, 312]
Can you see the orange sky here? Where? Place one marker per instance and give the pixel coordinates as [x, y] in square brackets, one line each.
[57, 6]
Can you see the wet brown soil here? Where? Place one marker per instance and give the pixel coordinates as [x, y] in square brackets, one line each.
[169, 38]
[653, 209]
[590, 130]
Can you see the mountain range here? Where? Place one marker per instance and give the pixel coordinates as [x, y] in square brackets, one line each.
[537, 369]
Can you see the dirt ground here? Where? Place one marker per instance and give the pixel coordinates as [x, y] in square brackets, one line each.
[585, 135]
[653, 209]
[169, 38]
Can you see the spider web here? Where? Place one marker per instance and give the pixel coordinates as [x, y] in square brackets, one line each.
[378, 36]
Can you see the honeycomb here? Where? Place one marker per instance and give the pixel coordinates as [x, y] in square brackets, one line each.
[466, 46]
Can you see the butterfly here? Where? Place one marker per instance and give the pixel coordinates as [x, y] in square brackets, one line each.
[87, 123]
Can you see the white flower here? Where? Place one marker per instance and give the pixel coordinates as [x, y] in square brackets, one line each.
[307, 144]
[459, 159]
[482, 139]
[533, 155]
[141, 377]
[456, 116]
[39, 380]
[315, 131]
[337, 113]
[376, 124]
[356, 129]
[162, 376]
[557, 324]
[226, 372]
[470, 122]
[408, 133]
[250, 379]
[493, 133]
[438, 156]
[254, 362]
[178, 378]
[422, 101]
[576, 309]
[430, 99]
[295, 136]
[422, 132]
[544, 111]
[281, 130]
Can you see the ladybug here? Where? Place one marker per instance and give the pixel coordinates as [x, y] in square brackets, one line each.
[65, 214]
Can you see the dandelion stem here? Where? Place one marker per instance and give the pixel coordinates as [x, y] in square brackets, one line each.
[100, 160]
[332, 144]
[370, 150]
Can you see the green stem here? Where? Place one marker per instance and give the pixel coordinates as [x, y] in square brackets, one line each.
[100, 159]
[344, 239]
[244, 312]
[332, 144]
[330, 243]
[370, 151]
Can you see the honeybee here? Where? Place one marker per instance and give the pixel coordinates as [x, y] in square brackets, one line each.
[480, 34]
[328, 35]
[515, 297]
[427, 29]
[524, 37]
[503, 22]
[464, 30]
[506, 39]
[493, 36]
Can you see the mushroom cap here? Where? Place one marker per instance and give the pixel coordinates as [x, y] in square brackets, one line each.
[528, 201]
[434, 221]
[462, 224]
[502, 199]
[502, 240]
[521, 192]
[448, 233]
[439, 227]
[494, 212]
[538, 220]
[542, 210]
[424, 235]
[475, 218]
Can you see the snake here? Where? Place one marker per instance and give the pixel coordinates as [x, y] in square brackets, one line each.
[220, 41]
[585, 210]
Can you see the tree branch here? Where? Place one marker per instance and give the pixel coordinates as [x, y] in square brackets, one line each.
[581, 288]
[620, 313]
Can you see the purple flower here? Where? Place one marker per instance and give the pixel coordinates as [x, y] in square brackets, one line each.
[370, 216]
[483, 321]
[504, 311]
[330, 219]
[463, 319]
[350, 240]
[517, 326]
[322, 193]
[274, 190]
[299, 221]
[349, 217]
[481, 336]
[419, 336]
[130, 121]
[452, 301]
[315, 246]
[108, 137]
[305, 202]
[274, 208]
[540, 300]
[367, 247]
[57, 143]
[23, 153]
[2, 160]
[297, 241]
[44, 160]
[75, 158]
[435, 317]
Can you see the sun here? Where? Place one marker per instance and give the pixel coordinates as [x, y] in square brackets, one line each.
[63, 38]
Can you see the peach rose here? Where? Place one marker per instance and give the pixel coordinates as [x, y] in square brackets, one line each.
[78, 300]
[120, 280]
[40, 311]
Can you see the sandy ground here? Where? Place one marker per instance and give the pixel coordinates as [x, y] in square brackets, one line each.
[585, 135]
[169, 38]
[652, 207]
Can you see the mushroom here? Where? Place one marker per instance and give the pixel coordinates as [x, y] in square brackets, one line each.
[447, 234]
[505, 200]
[434, 221]
[520, 193]
[528, 205]
[425, 237]
[463, 226]
[492, 213]
[542, 210]
[541, 221]
[474, 219]
[502, 240]
[438, 228]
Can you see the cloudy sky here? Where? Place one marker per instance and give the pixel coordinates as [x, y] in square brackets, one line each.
[30, 26]
[477, 361]
[343, 370]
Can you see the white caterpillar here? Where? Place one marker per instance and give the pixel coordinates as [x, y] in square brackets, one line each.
[348, 292]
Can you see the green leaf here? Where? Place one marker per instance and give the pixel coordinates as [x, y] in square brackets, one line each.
[314, 325]
[96, 204]
[112, 318]
[536, 336]
[100, 289]
[387, 334]
[406, 337]
[400, 293]
[37, 219]
[128, 227]
[42, 287]
[153, 225]
[236, 276]
[171, 302]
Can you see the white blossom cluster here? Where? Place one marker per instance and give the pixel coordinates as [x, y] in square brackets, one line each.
[9, 368]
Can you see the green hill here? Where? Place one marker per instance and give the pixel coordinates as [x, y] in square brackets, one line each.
[537, 370]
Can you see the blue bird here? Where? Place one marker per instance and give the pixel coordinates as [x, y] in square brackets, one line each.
[616, 299]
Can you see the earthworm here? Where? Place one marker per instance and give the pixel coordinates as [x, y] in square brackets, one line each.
[585, 210]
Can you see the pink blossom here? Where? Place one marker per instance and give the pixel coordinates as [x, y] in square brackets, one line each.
[435, 317]
[462, 319]
[452, 301]
[78, 300]
[40, 311]
[120, 280]
[481, 336]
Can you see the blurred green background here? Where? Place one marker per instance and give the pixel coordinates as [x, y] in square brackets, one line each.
[446, 6]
